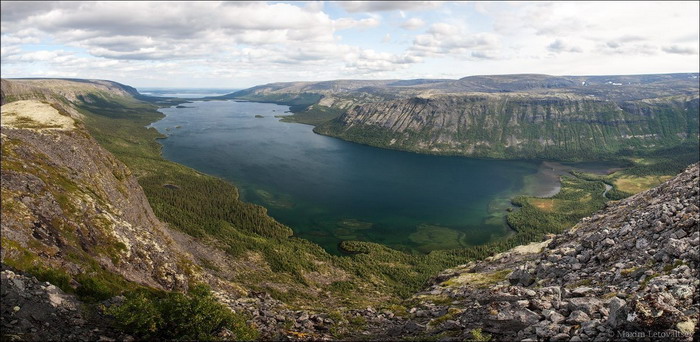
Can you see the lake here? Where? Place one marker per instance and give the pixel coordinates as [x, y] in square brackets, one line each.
[328, 190]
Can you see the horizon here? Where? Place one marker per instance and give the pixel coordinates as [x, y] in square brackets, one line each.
[332, 80]
[238, 46]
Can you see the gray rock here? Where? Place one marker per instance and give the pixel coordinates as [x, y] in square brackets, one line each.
[642, 243]
[616, 312]
[521, 276]
[676, 247]
[578, 317]
[560, 337]
[556, 317]
[589, 305]
[582, 291]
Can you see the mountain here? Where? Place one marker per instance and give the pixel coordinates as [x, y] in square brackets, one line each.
[104, 239]
[504, 116]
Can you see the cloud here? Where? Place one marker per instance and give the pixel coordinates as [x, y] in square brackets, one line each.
[681, 50]
[413, 24]
[255, 42]
[371, 61]
[445, 39]
[346, 23]
[133, 31]
[559, 46]
[383, 6]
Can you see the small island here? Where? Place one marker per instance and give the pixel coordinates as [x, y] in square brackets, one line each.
[259, 116]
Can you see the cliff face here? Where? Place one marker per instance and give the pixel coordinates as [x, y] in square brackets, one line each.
[68, 204]
[506, 116]
[69, 89]
[512, 125]
[627, 272]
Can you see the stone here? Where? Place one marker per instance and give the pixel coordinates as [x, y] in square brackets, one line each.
[582, 291]
[642, 243]
[682, 291]
[556, 317]
[521, 276]
[560, 337]
[616, 314]
[578, 317]
[589, 305]
[686, 328]
[676, 247]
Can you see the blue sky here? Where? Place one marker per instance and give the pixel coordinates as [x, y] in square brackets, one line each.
[242, 44]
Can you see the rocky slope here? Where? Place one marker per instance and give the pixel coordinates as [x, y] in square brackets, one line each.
[69, 204]
[39, 311]
[508, 116]
[629, 272]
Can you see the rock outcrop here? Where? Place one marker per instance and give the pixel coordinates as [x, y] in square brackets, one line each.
[69, 204]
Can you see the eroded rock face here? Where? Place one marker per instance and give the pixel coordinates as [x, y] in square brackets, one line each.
[67, 201]
[511, 125]
[628, 271]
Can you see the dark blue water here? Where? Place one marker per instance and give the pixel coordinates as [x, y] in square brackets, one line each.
[329, 190]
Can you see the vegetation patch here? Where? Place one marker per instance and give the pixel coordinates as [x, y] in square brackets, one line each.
[192, 316]
[479, 280]
[432, 237]
[636, 184]
[544, 204]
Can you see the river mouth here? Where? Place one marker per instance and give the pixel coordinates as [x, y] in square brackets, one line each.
[328, 190]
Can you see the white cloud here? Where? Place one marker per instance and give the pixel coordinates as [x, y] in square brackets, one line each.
[256, 42]
[382, 6]
[413, 24]
[558, 46]
[443, 39]
[681, 50]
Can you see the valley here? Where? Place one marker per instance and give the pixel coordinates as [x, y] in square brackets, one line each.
[250, 261]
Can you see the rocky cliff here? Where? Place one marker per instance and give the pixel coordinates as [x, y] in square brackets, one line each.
[516, 125]
[503, 116]
[629, 272]
[67, 204]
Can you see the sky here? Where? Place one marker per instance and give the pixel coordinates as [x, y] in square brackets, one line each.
[243, 44]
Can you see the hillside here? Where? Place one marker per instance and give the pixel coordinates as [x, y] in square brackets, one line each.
[507, 116]
[135, 246]
[628, 272]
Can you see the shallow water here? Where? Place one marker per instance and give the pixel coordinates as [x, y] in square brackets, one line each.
[328, 190]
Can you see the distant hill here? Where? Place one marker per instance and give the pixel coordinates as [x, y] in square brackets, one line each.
[500, 116]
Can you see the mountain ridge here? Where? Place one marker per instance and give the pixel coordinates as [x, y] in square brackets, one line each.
[586, 116]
